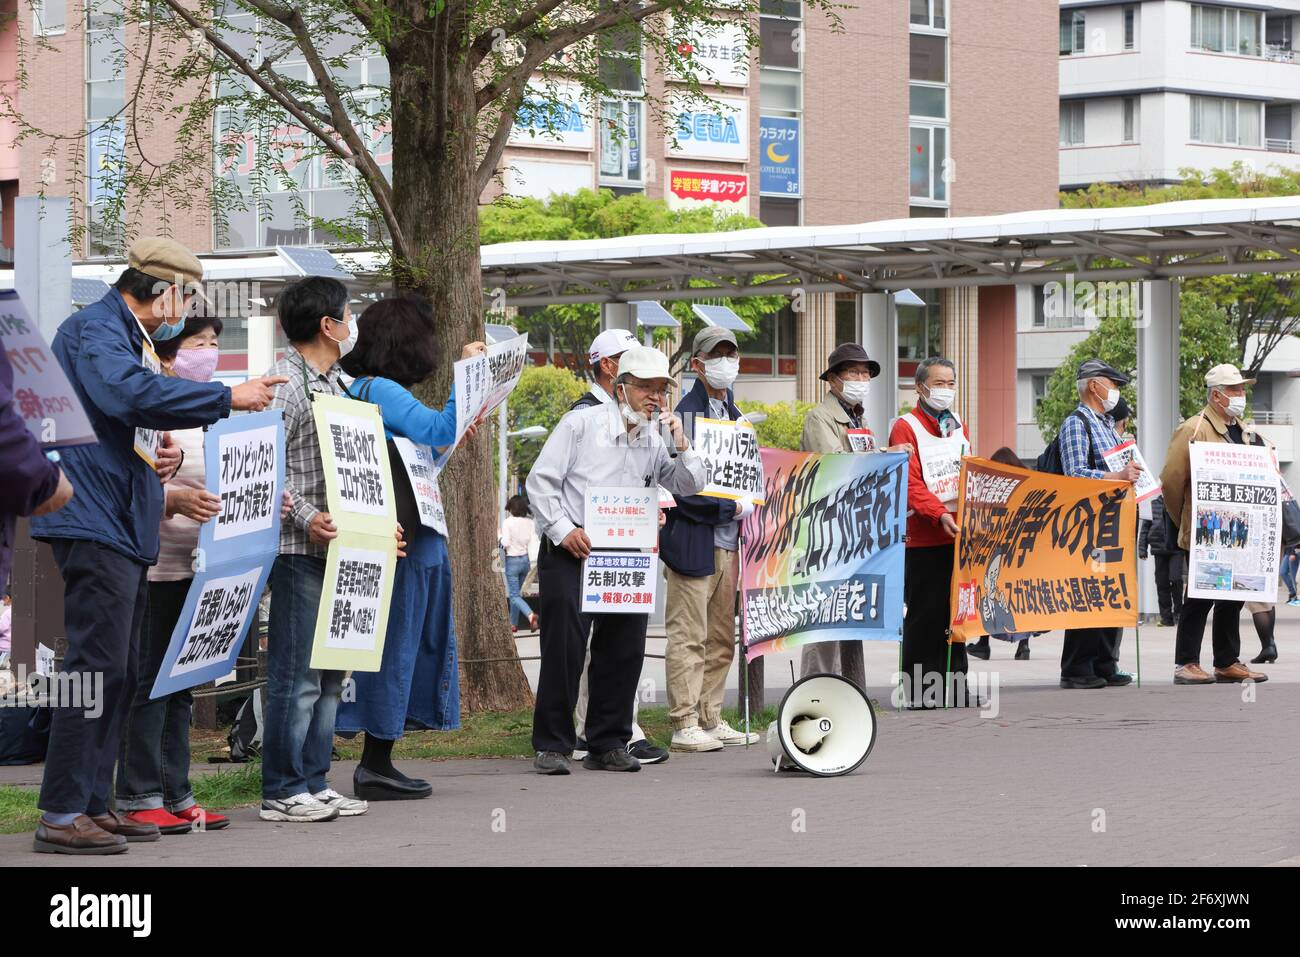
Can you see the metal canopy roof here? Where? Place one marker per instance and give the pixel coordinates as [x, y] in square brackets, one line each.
[1168, 240]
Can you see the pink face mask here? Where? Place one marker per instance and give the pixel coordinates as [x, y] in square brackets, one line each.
[197, 365]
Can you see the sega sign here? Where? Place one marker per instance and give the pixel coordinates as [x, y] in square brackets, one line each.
[717, 132]
[553, 119]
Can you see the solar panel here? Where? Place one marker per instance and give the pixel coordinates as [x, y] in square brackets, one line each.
[86, 291]
[721, 316]
[496, 332]
[653, 316]
[905, 297]
[306, 261]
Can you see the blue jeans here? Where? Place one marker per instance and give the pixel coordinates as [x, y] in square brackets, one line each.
[1289, 564]
[301, 702]
[516, 571]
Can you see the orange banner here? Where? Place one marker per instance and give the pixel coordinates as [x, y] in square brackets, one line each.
[1038, 552]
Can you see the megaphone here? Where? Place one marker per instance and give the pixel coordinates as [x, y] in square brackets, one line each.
[825, 726]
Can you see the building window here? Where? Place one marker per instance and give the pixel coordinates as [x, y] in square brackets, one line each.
[770, 350]
[920, 328]
[929, 13]
[49, 17]
[928, 171]
[1038, 386]
[927, 212]
[778, 212]
[778, 45]
[1227, 30]
[1062, 314]
[1130, 27]
[622, 122]
[1074, 35]
[1217, 119]
[1072, 127]
[1130, 119]
[106, 142]
[846, 317]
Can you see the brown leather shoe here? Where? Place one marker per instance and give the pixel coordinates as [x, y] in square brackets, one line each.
[1237, 672]
[82, 836]
[1191, 674]
[133, 831]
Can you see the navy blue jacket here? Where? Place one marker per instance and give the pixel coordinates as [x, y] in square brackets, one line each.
[686, 540]
[119, 500]
[29, 477]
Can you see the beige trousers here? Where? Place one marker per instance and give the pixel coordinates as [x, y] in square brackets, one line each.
[701, 625]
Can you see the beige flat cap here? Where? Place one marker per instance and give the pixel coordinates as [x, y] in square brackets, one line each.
[165, 260]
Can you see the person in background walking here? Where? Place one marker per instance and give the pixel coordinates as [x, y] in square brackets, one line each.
[516, 535]
[1159, 538]
[1290, 566]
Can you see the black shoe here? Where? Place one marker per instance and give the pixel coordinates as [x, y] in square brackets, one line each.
[551, 762]
[647, 753]
[579, 750]
[611, 761]
[1267, 655]
[979, 649]
[368, 785]
[1022, 649]
[1119, 679]
[1168, 621]
[1091, 681]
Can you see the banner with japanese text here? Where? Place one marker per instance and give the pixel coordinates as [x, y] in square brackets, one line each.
[243, 463]
[1038, 551]
[733, 468]
[353, 615]
[43, 396]
[822, 557]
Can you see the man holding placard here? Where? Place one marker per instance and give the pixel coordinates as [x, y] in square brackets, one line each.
[596, 475]
[700, 547]
[106, 537]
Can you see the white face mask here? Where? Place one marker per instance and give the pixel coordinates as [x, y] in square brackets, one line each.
[1111, 400]
[721, 372]
[1236, 406]
[347, 345]
[941, 399]
[855, 392]
[630, 415]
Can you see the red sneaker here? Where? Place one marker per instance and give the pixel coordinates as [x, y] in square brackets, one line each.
[203, 820]
[167, 823]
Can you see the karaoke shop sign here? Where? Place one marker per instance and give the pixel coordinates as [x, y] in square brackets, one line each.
[822, 557]
[359, 566]
[1041, 552]
[243, 461]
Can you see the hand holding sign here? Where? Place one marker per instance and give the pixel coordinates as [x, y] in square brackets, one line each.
[195, 503]
[473, 349]
[577, 544]
[167, 458]
[62, 495]
[322, 529]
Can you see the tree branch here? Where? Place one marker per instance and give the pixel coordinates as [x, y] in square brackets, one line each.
[483, 43]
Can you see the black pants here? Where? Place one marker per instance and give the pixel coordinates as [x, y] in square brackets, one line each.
[1169, 585]
[103, 607]
[1088, 652]
[927, 579]
[617, 650]
[1225, 633]
[153, 765]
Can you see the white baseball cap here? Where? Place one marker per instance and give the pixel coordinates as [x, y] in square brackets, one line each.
[610, 343]
[644, 363]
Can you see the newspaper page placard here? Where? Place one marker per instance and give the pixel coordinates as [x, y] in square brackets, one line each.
[482, 383]
[862, 440]
[422, 469]
[43, 396]
[355, 597]
[148, 441]
[620, 583]
[210, 631]
[733, 468]
[1236, 536]
[617, 516]
[1117, 459]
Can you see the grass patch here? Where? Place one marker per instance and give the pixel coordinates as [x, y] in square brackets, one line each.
[492, 734]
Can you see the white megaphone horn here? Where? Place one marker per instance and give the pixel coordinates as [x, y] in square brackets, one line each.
[824, 726]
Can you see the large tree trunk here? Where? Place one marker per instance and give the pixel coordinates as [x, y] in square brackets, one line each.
[437, 205]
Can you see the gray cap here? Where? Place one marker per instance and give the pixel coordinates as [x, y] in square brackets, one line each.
[708, 338]
[1090, 368]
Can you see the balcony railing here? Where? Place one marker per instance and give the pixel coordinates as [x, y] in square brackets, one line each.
[1280, 146]
[1277, 51]
[1274, 418]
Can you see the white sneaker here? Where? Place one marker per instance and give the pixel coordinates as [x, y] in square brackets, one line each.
[728, 736]
[298, 809]
[346, 806]
[694, 739]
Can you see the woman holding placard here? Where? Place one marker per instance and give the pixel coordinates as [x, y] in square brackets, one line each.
[418, 682]
[153, 763]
